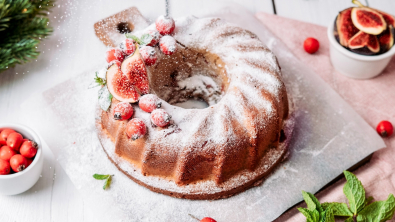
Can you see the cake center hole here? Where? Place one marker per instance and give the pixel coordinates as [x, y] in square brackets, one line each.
[193, 104]
[124, 27]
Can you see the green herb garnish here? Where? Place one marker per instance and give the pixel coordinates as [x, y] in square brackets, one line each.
[107, 178]
[359, 208]
[144, 40]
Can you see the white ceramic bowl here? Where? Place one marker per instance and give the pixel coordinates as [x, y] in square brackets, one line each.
[354, 65]
[20, 182]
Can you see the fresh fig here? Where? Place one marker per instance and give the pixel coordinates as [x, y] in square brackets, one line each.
[134, 69]
[386, 39]
[120, 86]
[344, 28]
[364, 43]
[368, 20]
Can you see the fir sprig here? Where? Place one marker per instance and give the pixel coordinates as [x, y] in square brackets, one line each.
[23, 24]
[359, 208]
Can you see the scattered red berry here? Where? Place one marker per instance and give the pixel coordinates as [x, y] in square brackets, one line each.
[208, 219]
[128, 46]
[14, 141]
[28, 149]
[5, 167]
[4, 134]
[160, 118]
[6, 153]
[18, 163]
[148, 54]
[155, 37]
[135, 129]
[114, 54]
[123, 111]
[29, 161]
[167, 45]
[311, 45]
[165, 25]
[385, 128]
[149, 103]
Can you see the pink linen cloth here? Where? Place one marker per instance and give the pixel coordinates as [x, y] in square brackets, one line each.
[373, 99]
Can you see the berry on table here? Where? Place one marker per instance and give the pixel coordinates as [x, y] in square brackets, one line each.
[207, 219]
[128, 46]
[149, 103]
[167, 45]
[14, 141]
[122, 111]
[160, 118]
[135, 129]
[148, 54]
[18, 163]
[28, 149]
[165, 25]
[385, 128]
[155, 37]
[311, 45]
[4, 134]
[114, 54]
[5, 167]
[6, 153]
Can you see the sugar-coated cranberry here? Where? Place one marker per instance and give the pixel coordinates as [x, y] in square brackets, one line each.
[165, 25]
[207, 219]
[28, 149]
[122, 111]
[128, 46]
[4, 134]
[311, 45]
[14, 141]
[155, 35]
[160, 117]
[6, 153]
[5, 167]
[148, 54]
[114, 54]
[149, 103]
[385, 128]
[18, 163]
[167, 45]
[135, 129]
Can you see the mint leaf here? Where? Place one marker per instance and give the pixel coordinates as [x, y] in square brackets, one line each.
[339, 209]
[378, 211]
[100, 176]
[107, 183]
[97, 82]
[105, 98]
[311, 216]
[329, 216]
[368, 200]
[310, 203]
[354, 192]
[145, 39]
[350, 219]
[135, 38]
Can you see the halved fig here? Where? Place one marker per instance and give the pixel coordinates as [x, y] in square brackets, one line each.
[363, 43]
[386, 39]
[134, 68]
[344, 28]
[368, 20]
[389, 19]
[120, 86]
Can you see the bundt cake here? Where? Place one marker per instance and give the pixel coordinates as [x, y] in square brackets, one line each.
[217, 151]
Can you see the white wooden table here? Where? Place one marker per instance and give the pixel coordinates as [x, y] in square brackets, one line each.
[73, 48]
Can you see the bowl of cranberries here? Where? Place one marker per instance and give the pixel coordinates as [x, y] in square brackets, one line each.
[21, 158]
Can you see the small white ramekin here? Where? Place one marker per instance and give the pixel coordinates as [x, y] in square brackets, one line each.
[354, 65]
[20, 182]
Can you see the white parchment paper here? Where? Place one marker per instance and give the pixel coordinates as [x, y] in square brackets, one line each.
[329, 138]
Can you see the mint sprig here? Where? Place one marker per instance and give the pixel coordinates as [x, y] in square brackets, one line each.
[107, 178]
[97, 82]
[358, 209]
[105, 98]
[143, 40]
